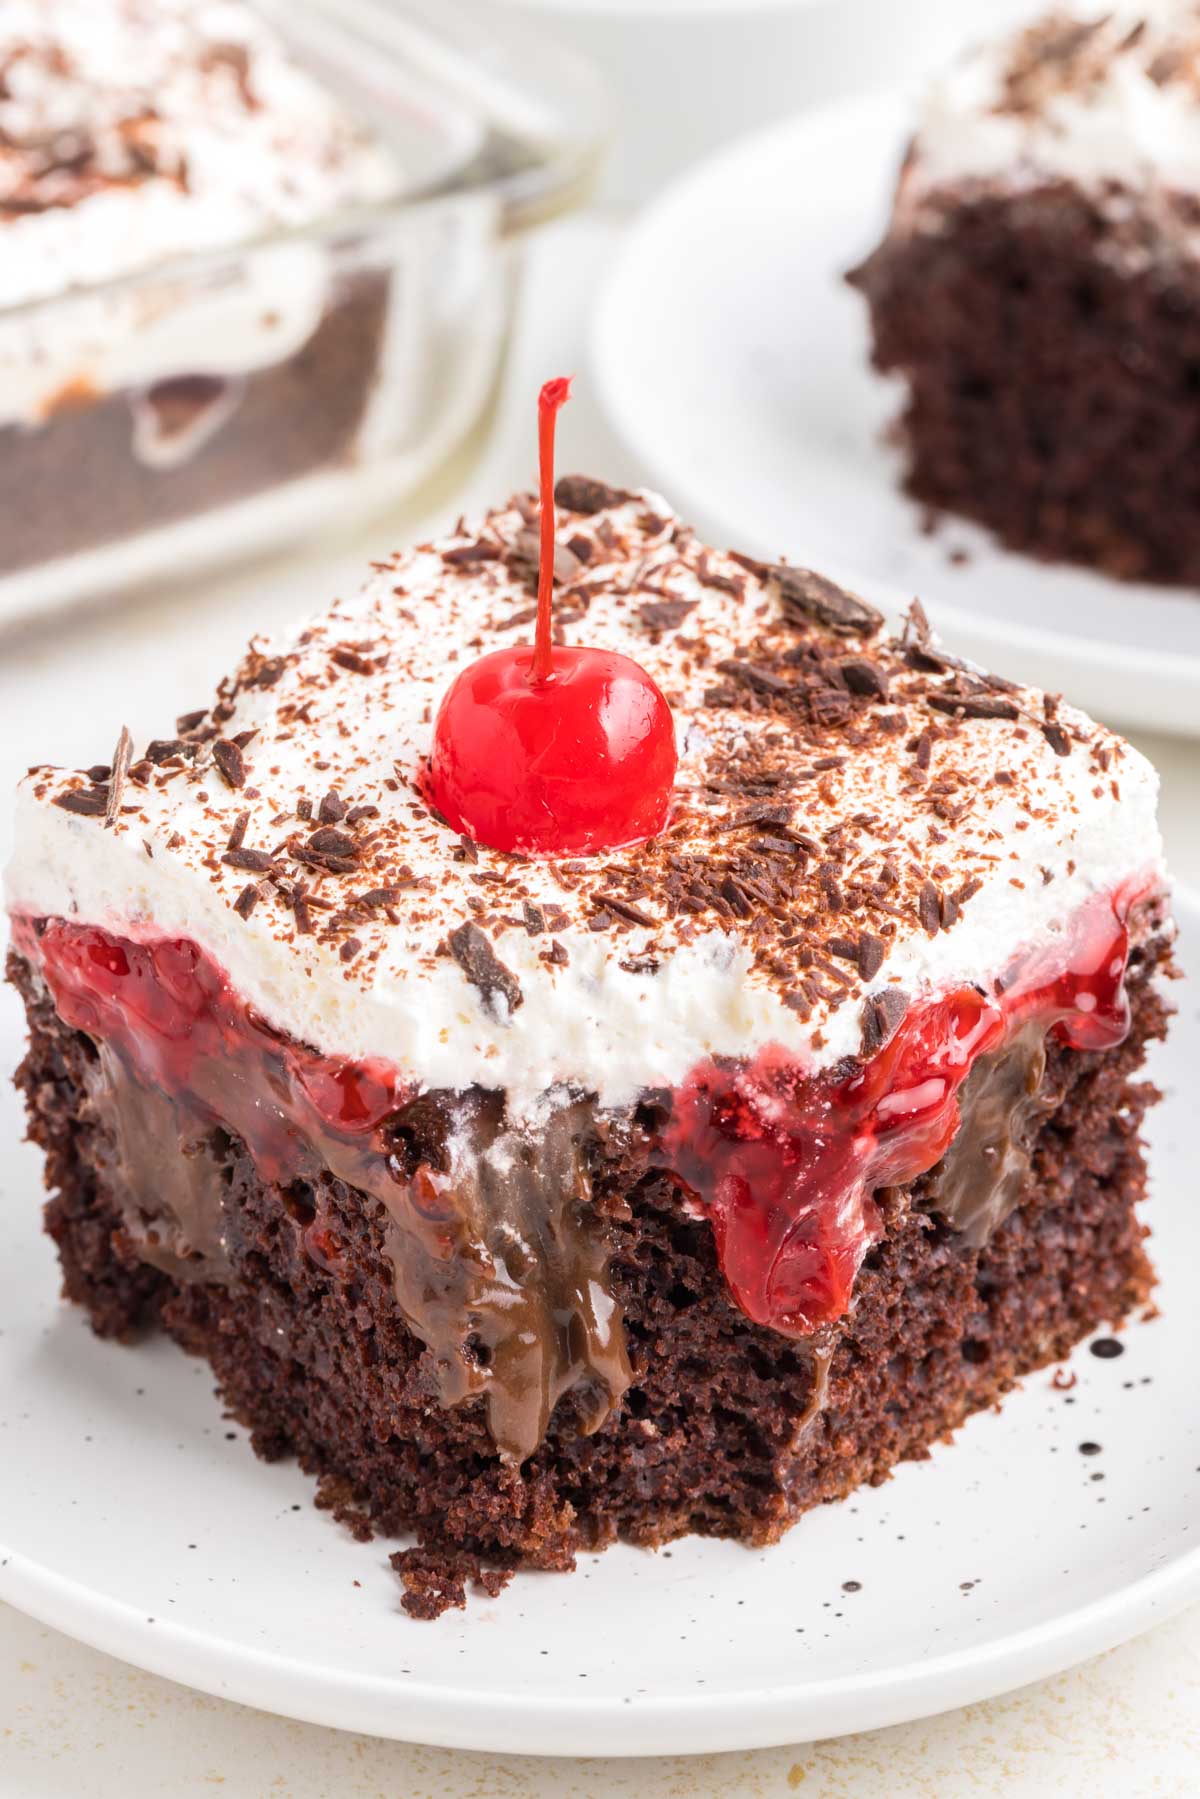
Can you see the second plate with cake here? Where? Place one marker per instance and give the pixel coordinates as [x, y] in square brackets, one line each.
[734, 360]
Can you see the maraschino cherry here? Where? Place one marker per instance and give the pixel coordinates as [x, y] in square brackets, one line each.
[554, 750]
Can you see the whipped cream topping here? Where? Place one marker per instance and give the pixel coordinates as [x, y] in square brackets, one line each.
[857, 815]
[1094, 94]
[137, 131]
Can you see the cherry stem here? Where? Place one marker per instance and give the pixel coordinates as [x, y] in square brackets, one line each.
[552, 396]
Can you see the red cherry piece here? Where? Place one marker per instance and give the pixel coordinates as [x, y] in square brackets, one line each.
[552, 750]
[583, 763]
[786, 1164]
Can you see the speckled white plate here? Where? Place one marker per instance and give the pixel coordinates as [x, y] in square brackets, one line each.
[133, 1516]
[733, 360]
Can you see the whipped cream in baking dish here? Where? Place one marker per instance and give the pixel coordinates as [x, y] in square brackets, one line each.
[1092, 94]
[133, 132]
[856, 813]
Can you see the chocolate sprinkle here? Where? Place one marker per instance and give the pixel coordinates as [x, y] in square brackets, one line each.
[1057, 738]
[579, 493]
[254, 861]
[665, 615]
[122, 756]
[230, 761]
[973, 705]
[329, 842]
[871, 951]
[473, 952]
[351, 660]
[623, 909]
[929, 909]
[162, 749]
[88, 802]
[470, 555]
[865, 677]
[881, 1018]
[808, 598]
[535, 918]
[246, 901]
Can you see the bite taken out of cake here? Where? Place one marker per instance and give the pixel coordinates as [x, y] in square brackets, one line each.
[604, 1183]
[1038, 290]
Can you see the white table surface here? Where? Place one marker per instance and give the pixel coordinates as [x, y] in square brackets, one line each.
[75, 1722]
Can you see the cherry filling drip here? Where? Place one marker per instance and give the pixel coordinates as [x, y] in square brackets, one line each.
[167, 1008]
[557, 749]
[785, 1164]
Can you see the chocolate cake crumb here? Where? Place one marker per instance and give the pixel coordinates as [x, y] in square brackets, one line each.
[435, 1580]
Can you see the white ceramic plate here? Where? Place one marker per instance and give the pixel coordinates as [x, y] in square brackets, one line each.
[733, 360]
[133, 1516]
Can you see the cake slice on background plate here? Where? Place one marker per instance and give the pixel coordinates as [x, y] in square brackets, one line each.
[1038, 289]
[763, 1105]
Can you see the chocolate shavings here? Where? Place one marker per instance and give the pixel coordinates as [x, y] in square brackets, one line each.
[230, 762]
[473, 952]
[122, 756]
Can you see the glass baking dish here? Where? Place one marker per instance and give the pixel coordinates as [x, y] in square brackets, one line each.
[210, 408]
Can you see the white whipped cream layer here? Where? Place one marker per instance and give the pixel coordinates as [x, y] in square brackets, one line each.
[1122, 127]
[1062, 830]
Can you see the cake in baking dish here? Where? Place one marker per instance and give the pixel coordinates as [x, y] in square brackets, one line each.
[175, 333]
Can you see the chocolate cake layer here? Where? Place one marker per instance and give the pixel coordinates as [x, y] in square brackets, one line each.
[104, 467]
[1049, 341]
[725, 1428]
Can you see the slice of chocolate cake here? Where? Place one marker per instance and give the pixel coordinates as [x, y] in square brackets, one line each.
[169, 341]
[533, 1200]
[1038, 290]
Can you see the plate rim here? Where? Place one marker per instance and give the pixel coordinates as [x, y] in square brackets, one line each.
[522, 1722]
[519, 1722]
[1176, 673]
